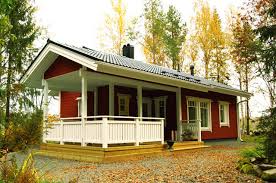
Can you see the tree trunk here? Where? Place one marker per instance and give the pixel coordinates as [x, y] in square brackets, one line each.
[8, 95]
[247, 101]
[242, 119]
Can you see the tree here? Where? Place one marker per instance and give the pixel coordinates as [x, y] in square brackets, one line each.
[115, 28]
[219, 50]
[265, 20]
[174, 37]
[203, 32]
[243, 48]
[18, 51]
[153, 45]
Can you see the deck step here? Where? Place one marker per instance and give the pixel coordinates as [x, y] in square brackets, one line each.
[98, 154]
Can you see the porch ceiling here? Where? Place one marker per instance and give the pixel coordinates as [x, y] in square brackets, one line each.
[72, 82]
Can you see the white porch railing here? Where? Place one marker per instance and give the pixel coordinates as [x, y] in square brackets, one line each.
[193, 126]
[106, 130]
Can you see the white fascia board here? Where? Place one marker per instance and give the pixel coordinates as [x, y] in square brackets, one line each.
[145, 76]
[76, 57]
[231, 92]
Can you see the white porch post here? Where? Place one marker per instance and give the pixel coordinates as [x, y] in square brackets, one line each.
[45, 107]
[140, 100]
[178, 114]
[111, 99]
[140, 112]
[95, 101]
[105, 133]
[83, 103]
[199, 131]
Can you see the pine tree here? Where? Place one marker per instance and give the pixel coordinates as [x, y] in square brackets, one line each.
[174, 37]
[18, 51]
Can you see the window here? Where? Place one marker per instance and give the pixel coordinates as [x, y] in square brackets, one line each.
[147, 103]
[200, 109]
[192, 111]
[224, 113]
[160, 108]
[123, 102]
[204, 114]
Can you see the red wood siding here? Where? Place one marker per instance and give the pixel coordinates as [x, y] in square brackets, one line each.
[69, 104]
[61, 66]
[103, 96]
[217, 131]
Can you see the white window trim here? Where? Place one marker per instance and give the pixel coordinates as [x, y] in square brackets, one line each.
[226, 113]
[127, 98]
[148, 101]
[198, 100]
[156, 106]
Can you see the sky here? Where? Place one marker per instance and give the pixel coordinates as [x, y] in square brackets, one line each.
[78, 22]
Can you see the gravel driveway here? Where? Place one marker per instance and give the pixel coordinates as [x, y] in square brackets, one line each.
[214, 164]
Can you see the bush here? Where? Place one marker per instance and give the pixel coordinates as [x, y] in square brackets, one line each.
[268, 126]
[24, 129]
[256, 152]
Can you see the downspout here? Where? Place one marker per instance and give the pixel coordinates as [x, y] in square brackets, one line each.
[238, 119]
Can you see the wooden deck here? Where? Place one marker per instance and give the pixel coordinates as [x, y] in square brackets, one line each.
[99, 154]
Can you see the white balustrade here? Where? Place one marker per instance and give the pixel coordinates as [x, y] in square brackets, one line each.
[193, 126]
[107, 130]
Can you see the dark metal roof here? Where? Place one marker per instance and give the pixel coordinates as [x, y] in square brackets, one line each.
[119, 60]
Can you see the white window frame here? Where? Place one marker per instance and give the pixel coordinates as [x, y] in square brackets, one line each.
[148, 101]
[157, 107]
[198, 101]
[126, 98]
[226, 114]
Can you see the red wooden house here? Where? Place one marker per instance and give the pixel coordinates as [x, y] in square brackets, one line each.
[108, 99]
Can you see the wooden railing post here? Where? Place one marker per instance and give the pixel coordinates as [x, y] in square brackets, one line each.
[199, 131]
[61, 132]
[137, 132]
[162, 131]
[104, 132]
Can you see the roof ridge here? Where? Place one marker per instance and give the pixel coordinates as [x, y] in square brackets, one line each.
[157, 69]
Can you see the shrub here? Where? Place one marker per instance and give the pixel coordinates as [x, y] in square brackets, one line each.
[25, 174]
[24, 129]
[256, 152]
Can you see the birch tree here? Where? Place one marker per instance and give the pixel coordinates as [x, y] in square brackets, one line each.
[219, 50]
[203, 32]
[113, 35]
[153, 45]
[243, 55]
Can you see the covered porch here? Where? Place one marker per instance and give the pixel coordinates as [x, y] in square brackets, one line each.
[122, 111]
